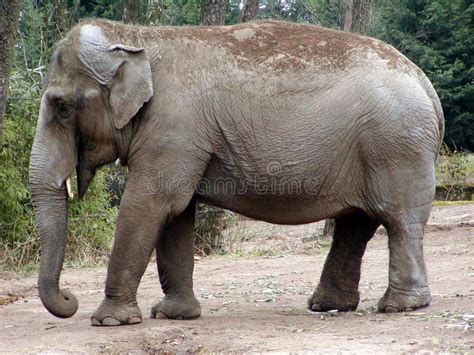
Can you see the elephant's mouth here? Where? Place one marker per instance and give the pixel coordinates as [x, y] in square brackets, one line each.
[85, 174]
[84, 177]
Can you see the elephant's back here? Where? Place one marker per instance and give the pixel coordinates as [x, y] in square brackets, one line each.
[286, 46]
[274, 46]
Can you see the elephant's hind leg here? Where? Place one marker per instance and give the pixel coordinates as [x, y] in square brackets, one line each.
[410, 190]
[339, 283]
[175, 259]
[408, 283]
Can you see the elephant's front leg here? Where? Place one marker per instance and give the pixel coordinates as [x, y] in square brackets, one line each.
[175, 259]
[142, 215]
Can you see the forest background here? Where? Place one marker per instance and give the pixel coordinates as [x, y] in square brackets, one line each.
[437, 35]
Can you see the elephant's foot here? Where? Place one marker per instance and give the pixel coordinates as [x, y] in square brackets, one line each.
[326, 299]
[176, 307]
[396, 300]
[111, 313]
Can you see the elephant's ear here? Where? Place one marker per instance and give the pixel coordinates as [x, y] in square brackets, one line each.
[131, 85]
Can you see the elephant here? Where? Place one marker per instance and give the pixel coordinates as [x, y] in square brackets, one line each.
[281, 122]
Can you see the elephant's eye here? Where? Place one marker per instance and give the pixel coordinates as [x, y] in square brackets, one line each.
[63, 108]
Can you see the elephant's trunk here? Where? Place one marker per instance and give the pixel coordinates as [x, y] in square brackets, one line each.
[50, 209]
[49, 167]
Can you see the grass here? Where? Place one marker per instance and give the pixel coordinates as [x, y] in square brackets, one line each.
[271, 252]
[454, 173]
[452, 203]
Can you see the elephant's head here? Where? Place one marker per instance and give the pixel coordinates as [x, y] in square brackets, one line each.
[95, 87]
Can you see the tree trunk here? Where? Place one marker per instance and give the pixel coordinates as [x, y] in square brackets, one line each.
[45, 33]
[249, 11]
[9, 12]
[349, 7]
[329, 227]
[213, 12]
[131, 11]
[61, 17]
[154, 11]
[357, 15]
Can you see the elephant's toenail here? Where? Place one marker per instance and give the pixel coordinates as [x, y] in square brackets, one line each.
[95, 322]
[390, 309]
[409, 309]
[109, 321]
[160, 315]
[134, 320]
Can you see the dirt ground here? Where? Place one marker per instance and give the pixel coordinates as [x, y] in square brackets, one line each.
[257, 302]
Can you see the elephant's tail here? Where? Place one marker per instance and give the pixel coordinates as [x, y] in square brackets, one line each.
[431, 92]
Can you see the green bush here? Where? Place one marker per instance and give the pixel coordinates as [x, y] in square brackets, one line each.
[210, 223]
[91, 221]
[453, 172]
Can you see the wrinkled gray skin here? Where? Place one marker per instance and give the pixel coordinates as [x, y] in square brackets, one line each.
[281, 122]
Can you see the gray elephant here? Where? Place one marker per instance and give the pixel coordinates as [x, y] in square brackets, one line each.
[280, 122]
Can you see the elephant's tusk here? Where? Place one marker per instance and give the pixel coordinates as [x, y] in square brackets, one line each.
[68, 187]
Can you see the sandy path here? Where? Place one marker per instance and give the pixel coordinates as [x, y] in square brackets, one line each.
[259, 303]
